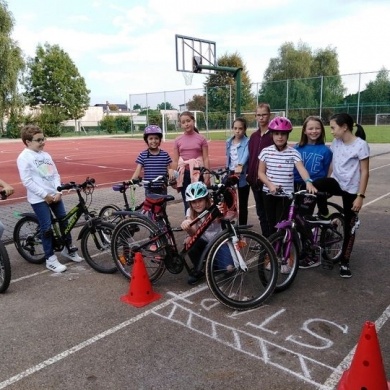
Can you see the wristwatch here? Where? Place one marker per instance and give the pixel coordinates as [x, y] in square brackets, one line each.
[361, 195]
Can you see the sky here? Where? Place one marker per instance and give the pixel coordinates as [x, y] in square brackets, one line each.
[127, 47]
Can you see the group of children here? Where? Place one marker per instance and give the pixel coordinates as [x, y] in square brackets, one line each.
[263, 162]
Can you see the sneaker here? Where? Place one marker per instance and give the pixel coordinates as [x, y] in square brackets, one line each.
[54, 265]
[309, 262]
[72, 255]
[285, 269]
[195, 277]
[325, 219]
[345, 272]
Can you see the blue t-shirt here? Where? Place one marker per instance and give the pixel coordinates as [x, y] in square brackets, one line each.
[316, 159]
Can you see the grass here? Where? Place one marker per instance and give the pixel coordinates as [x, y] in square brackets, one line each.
[375, 134]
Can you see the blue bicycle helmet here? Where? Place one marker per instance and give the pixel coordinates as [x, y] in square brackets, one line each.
[196, 191]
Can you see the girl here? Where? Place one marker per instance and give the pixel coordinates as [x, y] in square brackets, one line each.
[199, 200]
[316, 158]
[237, 156]
[276, 170]
[349, 179]
[190, 150]
[153, 161]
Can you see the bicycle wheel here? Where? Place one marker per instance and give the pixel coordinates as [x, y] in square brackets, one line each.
[27, 240]
[137, 234]
[288, 260]
[96, 247]
[332, 238]
[106, 214]
[5, 268]
[236, 288]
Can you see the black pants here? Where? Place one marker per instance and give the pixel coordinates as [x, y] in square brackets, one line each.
[260, 209]
[276, 209]
[332, 187]
[243, 195]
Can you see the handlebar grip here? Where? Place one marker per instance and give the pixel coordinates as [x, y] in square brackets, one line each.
[67, 186]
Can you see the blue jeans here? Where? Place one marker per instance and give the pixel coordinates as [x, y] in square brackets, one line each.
[43, 213]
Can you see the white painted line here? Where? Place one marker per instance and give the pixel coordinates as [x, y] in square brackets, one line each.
[94, 339]
[334, 378]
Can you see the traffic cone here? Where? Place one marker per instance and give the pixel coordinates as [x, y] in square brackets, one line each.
[140, 292]
[367, 370]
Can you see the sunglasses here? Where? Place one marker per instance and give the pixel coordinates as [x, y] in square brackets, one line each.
[39, 140]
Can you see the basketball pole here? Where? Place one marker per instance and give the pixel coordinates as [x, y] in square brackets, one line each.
[236, 75]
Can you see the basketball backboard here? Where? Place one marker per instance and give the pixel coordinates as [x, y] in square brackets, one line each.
[191, 52]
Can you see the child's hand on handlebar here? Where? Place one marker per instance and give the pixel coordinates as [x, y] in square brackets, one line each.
[310, 188]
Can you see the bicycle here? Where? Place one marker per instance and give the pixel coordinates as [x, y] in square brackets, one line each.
[95, 235]
[243, 288]
[5, 264]
[299, 235]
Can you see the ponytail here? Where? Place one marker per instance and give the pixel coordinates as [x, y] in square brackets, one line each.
[360, 132]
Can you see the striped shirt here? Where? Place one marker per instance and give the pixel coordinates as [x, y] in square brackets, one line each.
[154, 164]
[280, 166]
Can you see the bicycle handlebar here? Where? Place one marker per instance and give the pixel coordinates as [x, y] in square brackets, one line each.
[280, 192]
[89, 182]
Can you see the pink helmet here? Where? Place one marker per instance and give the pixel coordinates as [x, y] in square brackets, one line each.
[280, 123]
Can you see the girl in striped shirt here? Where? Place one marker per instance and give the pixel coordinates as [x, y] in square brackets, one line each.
[276, 170]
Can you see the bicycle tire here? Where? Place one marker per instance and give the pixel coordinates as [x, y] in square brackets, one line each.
[127, 236]
[106, 212]
[278, 242]
[5, 268]
[238, 289]
[27, 240]
[332, 238]
[96, 247]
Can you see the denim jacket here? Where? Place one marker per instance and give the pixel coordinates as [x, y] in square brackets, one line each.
[243, 157]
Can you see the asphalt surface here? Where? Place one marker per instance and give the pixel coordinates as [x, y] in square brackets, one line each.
[72, 331]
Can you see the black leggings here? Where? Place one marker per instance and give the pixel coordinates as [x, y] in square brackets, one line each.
[332, 187]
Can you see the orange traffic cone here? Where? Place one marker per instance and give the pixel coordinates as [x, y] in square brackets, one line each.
[140, 292]
[367, 370]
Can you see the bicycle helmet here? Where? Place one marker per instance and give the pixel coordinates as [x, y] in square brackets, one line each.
[196, 191]
[280, 123]
[154, 130]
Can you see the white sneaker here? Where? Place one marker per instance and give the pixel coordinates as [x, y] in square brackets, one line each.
[54, 265]
[74, 256]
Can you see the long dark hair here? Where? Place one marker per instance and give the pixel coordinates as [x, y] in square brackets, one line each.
[346, 119]
[191, 115]
[243, 122]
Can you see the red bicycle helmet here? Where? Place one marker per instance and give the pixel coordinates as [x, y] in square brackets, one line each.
[280, 123]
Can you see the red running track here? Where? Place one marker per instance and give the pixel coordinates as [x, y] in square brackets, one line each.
[107, 160]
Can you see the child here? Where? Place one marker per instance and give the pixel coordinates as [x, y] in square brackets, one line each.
[199, 200]
[190, 150]
[39, 175]
[276, 169]
[237, 155]
[316, 158]
[349, 179]
[153, 161]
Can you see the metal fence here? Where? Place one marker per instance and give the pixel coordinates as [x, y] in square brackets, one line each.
[298, 98]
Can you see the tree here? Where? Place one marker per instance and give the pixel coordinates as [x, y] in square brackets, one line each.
[11, 66]
[165, 106]
[378, 91]
[301, 79]
[221, 87]
[53, 81]
[198, 103]
[136, 107]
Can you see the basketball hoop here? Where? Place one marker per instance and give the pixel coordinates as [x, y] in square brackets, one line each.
[188, 77]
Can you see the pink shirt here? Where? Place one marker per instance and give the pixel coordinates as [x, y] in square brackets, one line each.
[190, 146]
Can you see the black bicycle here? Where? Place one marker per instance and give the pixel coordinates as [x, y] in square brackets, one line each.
[243, 287]
[95, 235]
[5, 265]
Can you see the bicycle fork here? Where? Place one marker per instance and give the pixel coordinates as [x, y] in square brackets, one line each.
[234, 248]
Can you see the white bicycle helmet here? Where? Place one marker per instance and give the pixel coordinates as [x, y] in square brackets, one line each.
[195, 191]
